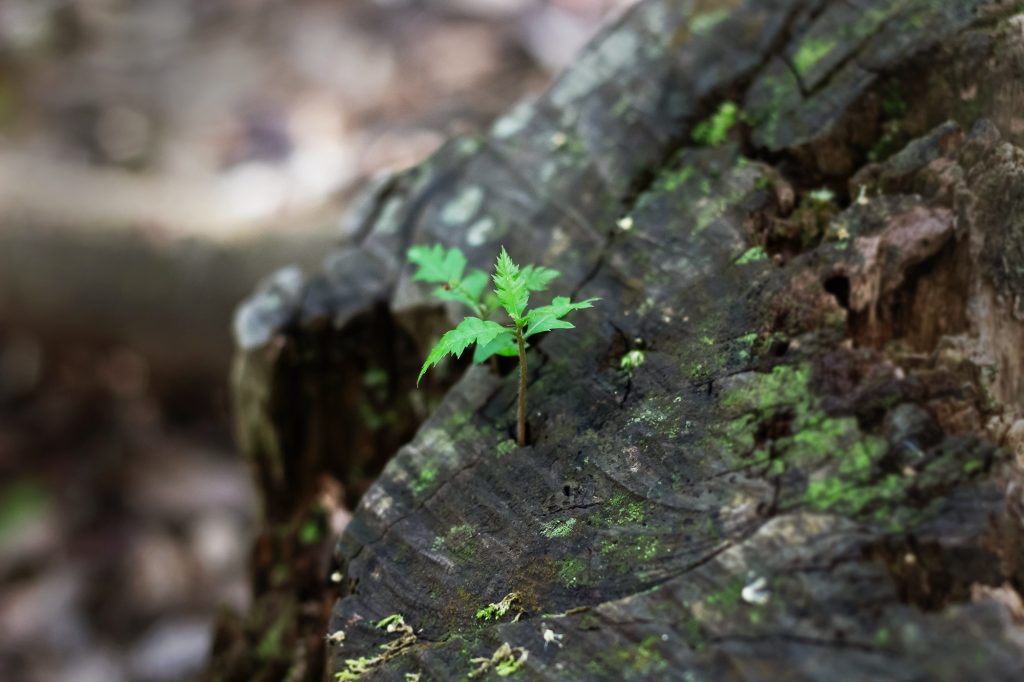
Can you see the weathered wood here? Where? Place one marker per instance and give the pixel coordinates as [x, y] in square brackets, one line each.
[802, 479]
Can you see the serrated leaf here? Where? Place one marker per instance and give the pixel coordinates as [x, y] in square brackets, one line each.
[548, 317]
[503, 344]
[467, 291]
[510, 286]
[470, 330]
[538, 278]
[437, 264]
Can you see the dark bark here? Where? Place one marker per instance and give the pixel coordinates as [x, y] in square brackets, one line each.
[803, 478]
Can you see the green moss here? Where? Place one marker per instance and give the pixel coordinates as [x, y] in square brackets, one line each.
[310, 532]
[752, 255]
[883, 637]
[620, 553]
[648, 548]
[373, 419]
[424, 481]
[621, 106]
[21, 501]
[784, 385]
[375, 377]
[812, 51]
[558, 528]
[714, 130]
[659, 415]
[845, 464]
[703, 24]
[631, 360]
[727, 598]
[505, 447]
[271, 645]
[674, 180]
[621, 510]
[496, 610]
[571, 572]
[745, 346]
[643, 659]
[781, 90]
[459, 541]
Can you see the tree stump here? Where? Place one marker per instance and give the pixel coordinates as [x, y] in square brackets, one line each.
[808, 469]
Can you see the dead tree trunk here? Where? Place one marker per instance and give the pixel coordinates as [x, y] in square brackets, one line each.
[811, 474]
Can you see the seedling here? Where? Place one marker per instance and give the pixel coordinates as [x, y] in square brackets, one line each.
[512, 287]
[494, 611]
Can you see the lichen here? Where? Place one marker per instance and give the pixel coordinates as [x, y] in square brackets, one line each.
[463, 206]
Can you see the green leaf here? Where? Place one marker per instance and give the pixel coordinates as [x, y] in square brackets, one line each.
[502, 344]
[467, 292]
[510, 286]
[548, 317]
[436, 264]
[470, 330]
[538, 278]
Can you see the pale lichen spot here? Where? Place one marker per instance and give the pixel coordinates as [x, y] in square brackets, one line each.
[596, 67]
[389, 217]
[463, 206]
[514, 121]
[480, 231]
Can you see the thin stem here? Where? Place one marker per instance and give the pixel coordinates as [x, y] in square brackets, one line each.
[521, 425]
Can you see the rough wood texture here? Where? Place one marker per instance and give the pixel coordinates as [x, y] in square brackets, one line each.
[802, 480]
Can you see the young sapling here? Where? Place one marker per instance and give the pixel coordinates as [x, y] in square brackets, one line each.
[512, 287]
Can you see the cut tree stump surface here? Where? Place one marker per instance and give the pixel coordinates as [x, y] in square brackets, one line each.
[810, 475]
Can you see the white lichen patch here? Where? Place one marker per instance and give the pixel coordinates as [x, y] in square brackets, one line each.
[514, 121]
[551, 637]
[756, 592]
[463, 206]
[480, 231]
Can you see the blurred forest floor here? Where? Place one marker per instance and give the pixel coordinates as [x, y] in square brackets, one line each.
[226, 135]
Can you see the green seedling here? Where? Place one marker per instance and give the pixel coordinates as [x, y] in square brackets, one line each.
[512, 287]
[494, 611]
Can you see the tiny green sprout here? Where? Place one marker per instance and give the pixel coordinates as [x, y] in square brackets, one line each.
[512, 287]
[494, 611]
[391, 623]
[631, 360]
[752, 255]
[505, 661]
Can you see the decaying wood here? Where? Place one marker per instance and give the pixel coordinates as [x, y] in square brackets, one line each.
[811, 474]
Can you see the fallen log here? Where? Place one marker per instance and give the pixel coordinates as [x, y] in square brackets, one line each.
[802, 218]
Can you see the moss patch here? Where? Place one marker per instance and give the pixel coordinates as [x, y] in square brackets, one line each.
[812, 51]
[714, 130]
